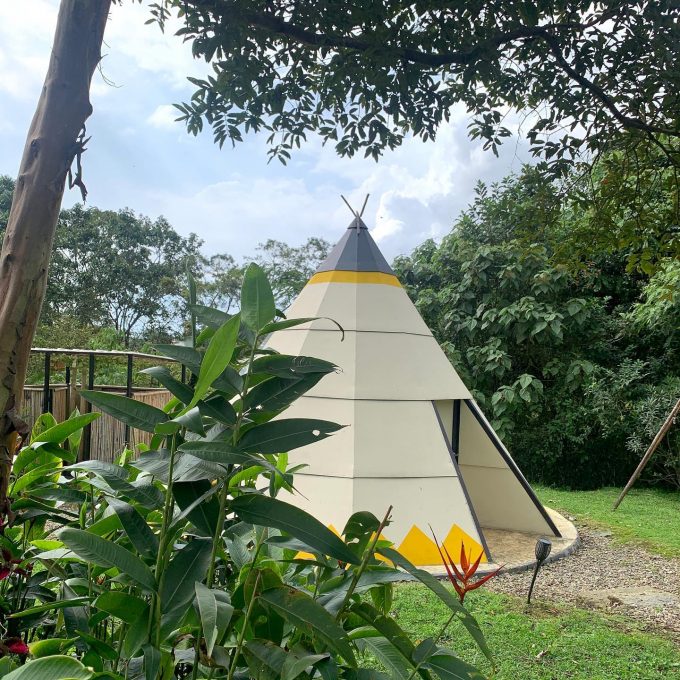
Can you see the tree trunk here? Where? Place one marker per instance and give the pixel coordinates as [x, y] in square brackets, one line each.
[55, 138]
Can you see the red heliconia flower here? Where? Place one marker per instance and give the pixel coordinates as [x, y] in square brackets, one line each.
[4, 573]
[17, 646]
[460, 578]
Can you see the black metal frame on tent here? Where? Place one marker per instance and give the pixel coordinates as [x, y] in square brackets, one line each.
[454, 459]
[476, 412]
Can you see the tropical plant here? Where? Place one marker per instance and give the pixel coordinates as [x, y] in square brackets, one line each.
[183, 562]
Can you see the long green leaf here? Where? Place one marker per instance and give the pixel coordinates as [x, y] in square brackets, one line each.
[180, 574]
[51, 668]
[277, 393]
[271, 512]
[183, 392]
[207, 608]
[449, 667]
[265, 659]
[257, 300]
[134, 525]
[61, 432]
[136, 414]
[122, 605]
[285, 366]
[196, 503]
[290, 323]
[187, 356]
[294, 664]
[49, 606]
[217, 358]
[286, 434]
[301, 610]
[105, 553]
[388, 656]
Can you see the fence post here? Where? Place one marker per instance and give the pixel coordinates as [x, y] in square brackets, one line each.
[46, 383]
[87, 434]
[128, 393]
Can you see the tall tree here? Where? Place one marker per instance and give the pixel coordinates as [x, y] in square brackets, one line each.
[139, 286]
[55, 139]
[290, 267]
[365, 74]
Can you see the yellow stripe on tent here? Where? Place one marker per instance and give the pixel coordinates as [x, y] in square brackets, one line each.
[355, 277]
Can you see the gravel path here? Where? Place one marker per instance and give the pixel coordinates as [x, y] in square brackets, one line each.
[616, 578]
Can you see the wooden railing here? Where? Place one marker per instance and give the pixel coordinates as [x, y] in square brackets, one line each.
[106, 437]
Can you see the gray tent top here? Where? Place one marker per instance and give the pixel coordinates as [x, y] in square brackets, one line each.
[356, 252]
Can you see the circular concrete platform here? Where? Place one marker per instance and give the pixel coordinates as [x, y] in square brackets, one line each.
[514, 550]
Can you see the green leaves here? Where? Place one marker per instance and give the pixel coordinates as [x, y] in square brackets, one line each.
[51, 668]
[302, 611]
[91, 548]
[207, 608]
[179, 577]
[61, 432]
[136, 414]
[257, 300]
[122, 605]
[286, 434]
[270, 512]
[217, 357]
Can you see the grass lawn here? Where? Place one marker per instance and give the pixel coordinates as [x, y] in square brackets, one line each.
[555, 643]
[649, 517]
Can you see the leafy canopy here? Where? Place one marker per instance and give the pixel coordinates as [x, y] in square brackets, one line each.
[365, 74]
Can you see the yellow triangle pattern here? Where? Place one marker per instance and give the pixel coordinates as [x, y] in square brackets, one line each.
[419, 548]
[309, 556]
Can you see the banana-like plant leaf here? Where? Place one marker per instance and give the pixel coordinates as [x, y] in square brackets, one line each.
[387, 627]
[301, 610]
[49, 606]
[207, 609]
[209, 316]
[196, 503]
[217, 407]
[277, 393]
[180, 574]
[183, 392]
[122, 605]
[217, 358]
[388, 655]
[286, 434]
[105, 553]
[257, 300]
[50, 647]
[134, 525]
[187, 356]
[290, 323]
[447, 666]
[271, 512]
[285, 366]
[61, 432]
[186, 468]
[265, 659]
[152, 662]
[51, 668]
[136, 414]
[294, 664]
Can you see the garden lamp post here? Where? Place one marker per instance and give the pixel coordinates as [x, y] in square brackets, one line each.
[543, 548]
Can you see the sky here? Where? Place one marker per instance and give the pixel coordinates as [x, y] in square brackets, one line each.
[233, 199]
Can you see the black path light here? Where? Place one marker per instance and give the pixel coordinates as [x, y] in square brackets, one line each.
[543, 548]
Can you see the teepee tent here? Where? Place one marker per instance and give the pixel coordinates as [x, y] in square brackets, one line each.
[415, 439]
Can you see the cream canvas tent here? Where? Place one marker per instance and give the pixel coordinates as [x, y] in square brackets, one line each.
[415, 439]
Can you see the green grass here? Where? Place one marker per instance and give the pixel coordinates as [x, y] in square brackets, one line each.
[650, 517]
[544, 643]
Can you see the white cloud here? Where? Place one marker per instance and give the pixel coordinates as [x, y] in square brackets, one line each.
[164, 117]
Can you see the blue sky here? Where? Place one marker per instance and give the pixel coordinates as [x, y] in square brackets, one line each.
[139, 158]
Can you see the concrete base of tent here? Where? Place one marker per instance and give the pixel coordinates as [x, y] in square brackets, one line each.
[515, 549]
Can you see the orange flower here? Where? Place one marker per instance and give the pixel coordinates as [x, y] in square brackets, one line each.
[461, 578]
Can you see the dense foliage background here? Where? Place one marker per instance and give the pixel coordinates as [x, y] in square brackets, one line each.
[557, 301]
[560, 307]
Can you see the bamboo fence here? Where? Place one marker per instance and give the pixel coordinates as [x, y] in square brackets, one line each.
[107, 439]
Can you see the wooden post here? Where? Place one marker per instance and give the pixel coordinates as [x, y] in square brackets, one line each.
[650, 451]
